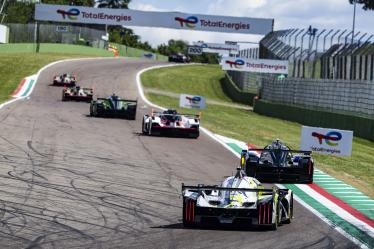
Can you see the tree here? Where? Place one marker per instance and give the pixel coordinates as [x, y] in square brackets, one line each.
[18, 12]
[368, 4]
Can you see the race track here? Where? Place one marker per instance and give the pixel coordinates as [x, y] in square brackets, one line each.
[72, 181]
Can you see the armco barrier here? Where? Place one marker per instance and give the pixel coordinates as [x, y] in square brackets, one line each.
[235, 93]
[361, 127]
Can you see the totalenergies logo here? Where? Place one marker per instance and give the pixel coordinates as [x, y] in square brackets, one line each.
[194, 100]
[238, 63]
[71, 13]
[329, 138]
[189, 21]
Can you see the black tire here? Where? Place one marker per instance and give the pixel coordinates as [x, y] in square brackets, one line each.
[63, 96]
[143, 127]
[275, 225]
[250, 168]
[288, 221]
[93, 110]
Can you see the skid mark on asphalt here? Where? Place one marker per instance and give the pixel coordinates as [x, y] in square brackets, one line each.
[67, 197]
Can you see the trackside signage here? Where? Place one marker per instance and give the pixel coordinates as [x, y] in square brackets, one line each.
[224, 49]
[174, 20]
[327, 141]
[191, 101]
[254, 65]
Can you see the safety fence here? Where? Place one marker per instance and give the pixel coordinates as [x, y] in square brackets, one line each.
[52, 33]
[62, 35]
[348, 96]
[327, 54]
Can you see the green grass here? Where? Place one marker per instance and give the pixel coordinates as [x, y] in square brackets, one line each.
[357, 170]
[14, 67]
[195, 79]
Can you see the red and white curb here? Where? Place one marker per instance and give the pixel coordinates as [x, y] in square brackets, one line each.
[25, 87]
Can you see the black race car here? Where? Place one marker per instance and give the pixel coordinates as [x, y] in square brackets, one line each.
[278, 163]
[113, 107]
[179, 57]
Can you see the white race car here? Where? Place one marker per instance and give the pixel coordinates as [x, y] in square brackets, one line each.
[171, 123]
[239, 200]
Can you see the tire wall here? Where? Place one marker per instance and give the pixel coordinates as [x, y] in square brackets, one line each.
[361, 127]
[235, 93]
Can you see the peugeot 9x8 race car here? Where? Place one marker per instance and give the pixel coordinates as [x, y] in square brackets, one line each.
[278, 163]
[65, 80]
[113, 107]
[171, 123]
[239, 200]
[77, 93]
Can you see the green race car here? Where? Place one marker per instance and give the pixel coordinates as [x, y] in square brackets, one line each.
[113, 107]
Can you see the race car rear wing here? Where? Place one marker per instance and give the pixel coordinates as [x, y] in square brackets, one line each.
[121, 100]
[155, 113]
[305, 152]
[204, 188]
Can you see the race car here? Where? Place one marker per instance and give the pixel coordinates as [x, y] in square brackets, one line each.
[179, 57]
[171, 123]
[77, 93]
[113, 107]
[239, 200]
[64, 80]
[278, 163]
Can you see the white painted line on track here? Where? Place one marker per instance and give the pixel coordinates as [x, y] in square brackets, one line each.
[323, 218]
[337, 210]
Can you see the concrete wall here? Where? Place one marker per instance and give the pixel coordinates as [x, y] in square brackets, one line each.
[235, 93]
[361, 126]
[353, 97]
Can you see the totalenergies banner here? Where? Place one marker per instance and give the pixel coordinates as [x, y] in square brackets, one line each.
[327, 141]
[217, 48]
[254, 65]
[174, 20]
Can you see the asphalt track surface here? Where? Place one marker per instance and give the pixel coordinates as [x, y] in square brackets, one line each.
[72, 181]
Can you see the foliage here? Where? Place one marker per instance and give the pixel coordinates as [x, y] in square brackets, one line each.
[19, 12]
[367, 4]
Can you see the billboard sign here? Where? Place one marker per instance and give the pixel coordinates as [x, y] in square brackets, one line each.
[217, 48]
[327, 141]
[194, 50]
[254, 65]
[191, 101]
[174, 20]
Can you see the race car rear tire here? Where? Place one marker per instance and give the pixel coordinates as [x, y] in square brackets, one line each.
[276, 223]
[144, 130]
[290, 215]
[93, 110]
